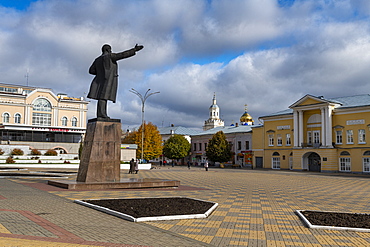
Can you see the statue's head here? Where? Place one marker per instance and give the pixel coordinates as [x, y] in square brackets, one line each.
[106, 48]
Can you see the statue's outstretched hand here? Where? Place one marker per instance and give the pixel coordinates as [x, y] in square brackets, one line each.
[138, 47]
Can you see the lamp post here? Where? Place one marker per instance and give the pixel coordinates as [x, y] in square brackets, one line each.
[143, 99]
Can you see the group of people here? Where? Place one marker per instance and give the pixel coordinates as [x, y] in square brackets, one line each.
[134, 166]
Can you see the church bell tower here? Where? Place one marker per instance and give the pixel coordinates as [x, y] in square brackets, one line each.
[214, 116]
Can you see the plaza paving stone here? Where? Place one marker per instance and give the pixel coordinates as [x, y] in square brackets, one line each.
[256, 208]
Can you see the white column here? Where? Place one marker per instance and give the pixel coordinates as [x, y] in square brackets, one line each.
[27, 115]
[323, 125]
[300, 129]
[295, 132]
[329, 124]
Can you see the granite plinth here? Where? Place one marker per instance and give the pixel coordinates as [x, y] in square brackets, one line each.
[101, 153]
[124, 183]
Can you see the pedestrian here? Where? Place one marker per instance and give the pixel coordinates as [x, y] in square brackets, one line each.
[136, 166]
[206, 165]
[164, 163]
[188, 164]
[160, 163]
[132, 166]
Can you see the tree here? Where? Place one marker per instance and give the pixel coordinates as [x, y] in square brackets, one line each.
[218, 149]
[152, 141]
[176, 147]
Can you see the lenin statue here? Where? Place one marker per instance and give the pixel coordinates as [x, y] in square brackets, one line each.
[105, 83]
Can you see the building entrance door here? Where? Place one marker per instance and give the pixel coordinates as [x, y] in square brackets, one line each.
[314, 162]
[259, 162]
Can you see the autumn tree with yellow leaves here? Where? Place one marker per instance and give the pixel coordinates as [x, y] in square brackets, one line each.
[152, 141]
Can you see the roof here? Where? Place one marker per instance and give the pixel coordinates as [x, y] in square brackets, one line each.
[344, 102]
[179, 130]
[227, 130]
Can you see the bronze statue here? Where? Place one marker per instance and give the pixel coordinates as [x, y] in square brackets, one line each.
[105, 83]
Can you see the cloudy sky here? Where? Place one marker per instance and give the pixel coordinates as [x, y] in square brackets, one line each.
[263, 53]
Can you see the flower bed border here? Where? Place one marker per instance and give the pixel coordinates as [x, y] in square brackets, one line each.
[153, 218]
[336, 228]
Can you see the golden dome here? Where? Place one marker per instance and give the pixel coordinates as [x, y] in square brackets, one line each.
[246, 118]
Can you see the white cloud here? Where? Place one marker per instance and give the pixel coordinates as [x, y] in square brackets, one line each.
[283, 52]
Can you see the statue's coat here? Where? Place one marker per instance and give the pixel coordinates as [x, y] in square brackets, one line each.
[105, 68]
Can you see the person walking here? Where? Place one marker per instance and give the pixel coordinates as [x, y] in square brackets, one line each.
[136, 166]
[206, 165]
[132, 166]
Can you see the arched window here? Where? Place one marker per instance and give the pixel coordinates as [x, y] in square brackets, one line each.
[367, 153]
[64, 121]
[41, 118]
[74, 122]
[42, 104]
[6, 117]
[275, 154]
[344, 153]
[17, 118]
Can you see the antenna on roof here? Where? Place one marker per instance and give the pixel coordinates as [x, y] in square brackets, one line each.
[27, 76]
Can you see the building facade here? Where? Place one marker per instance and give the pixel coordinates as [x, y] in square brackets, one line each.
[37, 117]
[316, 134]
[239, 138]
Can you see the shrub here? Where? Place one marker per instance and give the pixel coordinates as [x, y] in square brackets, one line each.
[39, 162]
[67, 162]
[17, 151]
[10, 160]
[1, 151]
[35, 152]
[51, 152]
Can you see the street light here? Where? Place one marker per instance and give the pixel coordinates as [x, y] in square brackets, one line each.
[143, 99]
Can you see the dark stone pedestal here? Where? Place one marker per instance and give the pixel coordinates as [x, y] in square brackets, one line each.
[101, 153]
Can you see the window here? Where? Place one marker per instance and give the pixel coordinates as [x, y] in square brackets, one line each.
[309, 137]
[279, 140]
[316, 136]
[64, 121]
[239, 145]
[345, 164]
[195, 147]
[271, 140]
[205, 146]
[43, 119]
[366, 164]
[349, 136]
[339, 137]
[288, 140]
[42, 105]
[361, 136]
[246, 145]
[275, 162]
[200, 146]
[74, 122]
[6, 117]
[17, 118]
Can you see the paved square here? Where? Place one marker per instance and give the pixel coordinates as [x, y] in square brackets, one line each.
[256, 208]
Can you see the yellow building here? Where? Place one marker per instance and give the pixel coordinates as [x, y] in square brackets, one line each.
[39, 118]
[316, 134]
